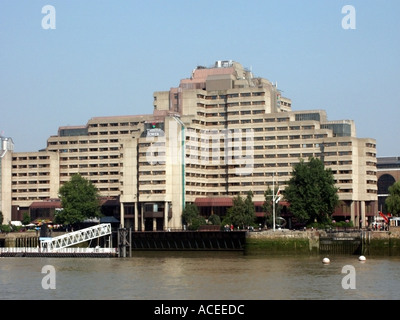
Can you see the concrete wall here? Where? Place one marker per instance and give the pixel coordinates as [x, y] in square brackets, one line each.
[5, 187]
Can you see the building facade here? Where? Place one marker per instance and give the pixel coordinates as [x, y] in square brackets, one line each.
[220, 133]
[388, 173]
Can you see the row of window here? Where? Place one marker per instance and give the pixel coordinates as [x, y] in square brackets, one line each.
[224, 114]
[32, 190]
[31, 182]
[105, 133]
[25, 198]
[30, 158]
[65, 142]
[84, 158]
[31, 166]
[92, 165]
[30, 174]
[114, 124]
[223, 193]
[143, 192]
[211, 149]
[155, 173]
[232, 104]
[103, 149]
[232, 95]
[152, 182]
[92, 173]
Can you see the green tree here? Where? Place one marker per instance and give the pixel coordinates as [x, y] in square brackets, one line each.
[26, 219]
[242, 213]
[79, 201]
[214, 219]
[190, 212]
[392, 202]
[192, 217]
[1, 217]
[311, 192]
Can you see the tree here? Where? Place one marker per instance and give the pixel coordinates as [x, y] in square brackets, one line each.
[192, 217]
[242, 213]
[1, 217]
[311, 192]
[79, 201]
[392, 202]
[26, 218]
[214, 219]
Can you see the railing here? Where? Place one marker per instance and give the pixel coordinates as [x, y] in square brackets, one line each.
[72, 238]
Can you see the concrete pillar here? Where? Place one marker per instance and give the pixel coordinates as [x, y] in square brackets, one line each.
[142, 217]
[136, 217]
[166, 216]
[154, 224]
[353, 213]
[362, 215]
[122, 214]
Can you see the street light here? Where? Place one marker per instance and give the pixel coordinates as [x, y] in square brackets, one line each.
[275, 198]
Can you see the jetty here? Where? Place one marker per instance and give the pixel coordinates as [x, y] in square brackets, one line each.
[65, 245]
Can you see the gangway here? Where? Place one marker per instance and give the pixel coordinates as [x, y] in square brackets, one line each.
[75, 237]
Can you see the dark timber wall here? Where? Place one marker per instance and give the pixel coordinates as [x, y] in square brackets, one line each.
[189, 240]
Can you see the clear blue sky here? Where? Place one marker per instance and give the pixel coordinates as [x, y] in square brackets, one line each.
[108, 57]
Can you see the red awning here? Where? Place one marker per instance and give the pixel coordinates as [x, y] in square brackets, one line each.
[213, 202]
[45, 204]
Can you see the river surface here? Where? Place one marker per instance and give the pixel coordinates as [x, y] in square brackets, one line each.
[200, 276]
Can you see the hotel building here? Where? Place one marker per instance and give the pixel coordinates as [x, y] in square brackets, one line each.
[220, 133]
[388, 174]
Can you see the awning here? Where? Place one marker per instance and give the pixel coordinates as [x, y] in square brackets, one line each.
[214, 202]
[109, 219]
[45, 204]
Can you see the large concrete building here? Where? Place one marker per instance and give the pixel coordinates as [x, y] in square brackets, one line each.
[220, 133]
[388, 174]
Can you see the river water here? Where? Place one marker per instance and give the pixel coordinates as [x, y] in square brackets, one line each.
[200, 275]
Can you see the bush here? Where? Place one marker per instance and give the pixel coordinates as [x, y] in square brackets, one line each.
[196, 223]
[5, 228]
[214, 219]
[338, 224]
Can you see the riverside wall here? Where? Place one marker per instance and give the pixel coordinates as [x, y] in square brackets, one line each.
[383, 242]
[284, 241]
[22, 239]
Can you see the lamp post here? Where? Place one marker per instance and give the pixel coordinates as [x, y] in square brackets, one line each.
[275, 198]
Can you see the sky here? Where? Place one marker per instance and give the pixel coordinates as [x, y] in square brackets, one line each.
[93, 58]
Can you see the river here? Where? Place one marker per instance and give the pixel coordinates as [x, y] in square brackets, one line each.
[200, 275]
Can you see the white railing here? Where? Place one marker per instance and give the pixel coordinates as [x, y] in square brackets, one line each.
[72, 238]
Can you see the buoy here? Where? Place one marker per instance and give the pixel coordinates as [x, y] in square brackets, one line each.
[362, 258]
[326, 261]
